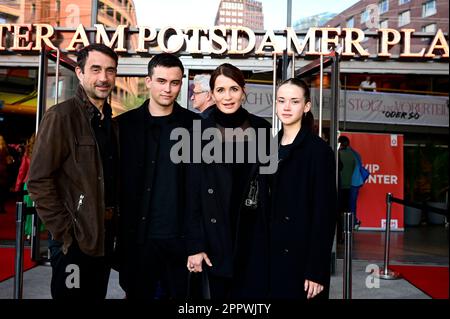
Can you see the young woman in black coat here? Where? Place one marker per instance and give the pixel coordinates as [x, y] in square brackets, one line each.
[303, 201]
[227, 224]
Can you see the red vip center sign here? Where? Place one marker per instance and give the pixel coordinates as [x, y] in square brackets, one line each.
[382, 155]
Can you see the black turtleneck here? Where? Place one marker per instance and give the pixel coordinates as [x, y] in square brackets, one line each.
[239, 171]
[232, 120]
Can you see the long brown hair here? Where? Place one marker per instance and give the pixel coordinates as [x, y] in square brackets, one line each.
[230, 71]
[307, 118]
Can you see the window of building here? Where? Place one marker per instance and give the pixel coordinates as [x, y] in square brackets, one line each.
[400, 2]
[110, 11]
[428, 8]
[383, 6]
[404, 18]
[364, 16]
[430, 28]
[118, 17]
[351, 22]
[384, 24]
[33, 9]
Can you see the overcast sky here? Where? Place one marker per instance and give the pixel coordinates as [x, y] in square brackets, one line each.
[182, 13]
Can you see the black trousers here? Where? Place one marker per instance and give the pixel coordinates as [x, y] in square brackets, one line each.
[158, 270]
[77, 275]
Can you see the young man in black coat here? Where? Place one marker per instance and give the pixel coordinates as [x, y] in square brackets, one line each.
[151, 243]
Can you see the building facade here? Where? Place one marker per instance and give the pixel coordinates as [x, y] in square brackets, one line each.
[70, 14]
[245, 13]
[421, 15]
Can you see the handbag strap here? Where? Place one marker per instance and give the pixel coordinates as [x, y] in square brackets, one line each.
[206, 292]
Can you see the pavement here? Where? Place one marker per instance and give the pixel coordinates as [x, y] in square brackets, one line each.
[36, 284]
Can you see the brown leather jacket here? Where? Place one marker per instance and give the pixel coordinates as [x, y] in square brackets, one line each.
[66, 175]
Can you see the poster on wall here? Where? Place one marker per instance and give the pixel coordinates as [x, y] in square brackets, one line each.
[382, 156]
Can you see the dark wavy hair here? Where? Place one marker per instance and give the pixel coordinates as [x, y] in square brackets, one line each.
[230, 71]
[83, 54]
[166, 60]
[307, 118]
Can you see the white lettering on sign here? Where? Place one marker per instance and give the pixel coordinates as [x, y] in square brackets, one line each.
[226, 39]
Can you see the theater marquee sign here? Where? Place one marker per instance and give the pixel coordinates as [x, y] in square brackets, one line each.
[221, 40]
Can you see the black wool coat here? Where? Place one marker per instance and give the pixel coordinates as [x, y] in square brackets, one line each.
[133, 224]
[303, 217]
[209, 229]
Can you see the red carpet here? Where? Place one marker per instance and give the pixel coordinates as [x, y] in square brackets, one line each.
[432, 280]
[8, 222]
[7, 256]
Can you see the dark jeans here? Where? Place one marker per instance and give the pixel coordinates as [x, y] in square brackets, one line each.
[353, 199]
[77, 275]
[157, 271]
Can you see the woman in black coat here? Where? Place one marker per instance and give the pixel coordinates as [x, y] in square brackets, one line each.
[303, 201]
[227, 224]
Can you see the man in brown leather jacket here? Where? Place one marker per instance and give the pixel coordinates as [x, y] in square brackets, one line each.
[74, 181]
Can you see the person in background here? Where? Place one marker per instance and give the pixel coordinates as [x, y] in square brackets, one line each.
[21, 184]
[73, 179]
[368, 85]
[202, 98]
[5, 161]
[22, 175]
[347, 165]
[350, 194]
[303, 210]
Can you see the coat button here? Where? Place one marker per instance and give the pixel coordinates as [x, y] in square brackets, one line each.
[148, 189]
[213, 220]
[286, 250]
[144, 218]
[287, 218]
[210, 190]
